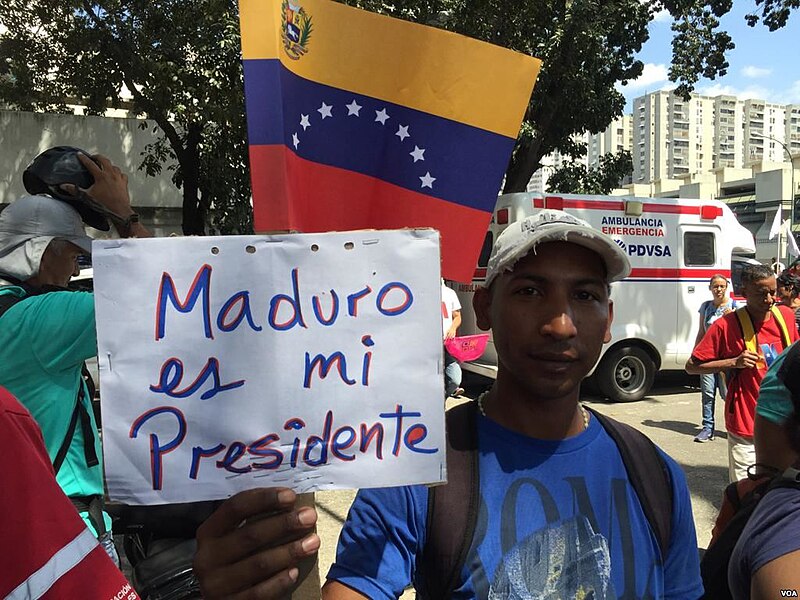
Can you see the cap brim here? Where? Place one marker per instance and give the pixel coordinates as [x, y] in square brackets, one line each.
[83, 242]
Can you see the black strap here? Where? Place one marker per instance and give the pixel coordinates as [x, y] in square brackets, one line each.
[452, 508]
[648, 474]
[65, 444]
[7, 301]
[87, 430]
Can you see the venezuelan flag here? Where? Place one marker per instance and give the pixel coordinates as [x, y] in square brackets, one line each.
[361, 121]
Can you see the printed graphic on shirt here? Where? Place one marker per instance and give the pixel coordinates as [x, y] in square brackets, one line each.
[567, 556]
[567, 561]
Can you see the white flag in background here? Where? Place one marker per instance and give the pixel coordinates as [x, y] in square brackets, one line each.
[791, 242]
[776, 224]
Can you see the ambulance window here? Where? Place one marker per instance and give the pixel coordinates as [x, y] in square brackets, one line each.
[698, 248]
[483, 259]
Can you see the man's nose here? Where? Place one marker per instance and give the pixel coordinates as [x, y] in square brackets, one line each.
[560, 324]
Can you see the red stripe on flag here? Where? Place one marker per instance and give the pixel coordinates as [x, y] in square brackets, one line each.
[321, 198]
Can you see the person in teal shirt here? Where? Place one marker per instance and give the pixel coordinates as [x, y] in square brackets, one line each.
[773, 408]
[47, 330]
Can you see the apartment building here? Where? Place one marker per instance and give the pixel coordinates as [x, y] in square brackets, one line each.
[673, 138]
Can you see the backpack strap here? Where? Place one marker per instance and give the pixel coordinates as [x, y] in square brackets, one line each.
[776, 312]
[648, 474]
[9, 300]
[748, 332]
[79, 412]
[452, 508]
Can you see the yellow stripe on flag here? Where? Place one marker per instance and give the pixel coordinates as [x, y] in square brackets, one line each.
[412, 65]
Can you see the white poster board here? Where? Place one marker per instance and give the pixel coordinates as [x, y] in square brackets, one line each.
[311, 361]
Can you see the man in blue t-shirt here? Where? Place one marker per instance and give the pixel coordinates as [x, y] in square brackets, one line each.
[557, 517]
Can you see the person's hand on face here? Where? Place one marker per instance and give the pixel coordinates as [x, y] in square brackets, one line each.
[254, 545]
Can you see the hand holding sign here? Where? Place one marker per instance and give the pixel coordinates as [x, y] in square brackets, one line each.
[239, 550]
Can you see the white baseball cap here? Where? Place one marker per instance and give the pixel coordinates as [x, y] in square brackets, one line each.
[549, 225]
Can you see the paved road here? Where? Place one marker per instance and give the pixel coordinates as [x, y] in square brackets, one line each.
[669, 416]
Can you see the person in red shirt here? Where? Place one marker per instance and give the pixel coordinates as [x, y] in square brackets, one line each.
[51, 554]
[723, 348]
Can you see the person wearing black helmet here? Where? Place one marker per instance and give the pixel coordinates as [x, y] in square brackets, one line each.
[46, 331]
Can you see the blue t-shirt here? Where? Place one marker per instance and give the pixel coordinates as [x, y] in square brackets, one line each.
[710, 313]
[557, 519]
[772, 531]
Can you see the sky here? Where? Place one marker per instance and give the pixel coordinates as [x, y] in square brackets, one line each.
[763, 64]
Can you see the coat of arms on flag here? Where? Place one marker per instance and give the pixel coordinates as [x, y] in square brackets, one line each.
[296, 28]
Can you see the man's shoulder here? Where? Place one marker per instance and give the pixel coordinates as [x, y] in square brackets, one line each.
[64, 299]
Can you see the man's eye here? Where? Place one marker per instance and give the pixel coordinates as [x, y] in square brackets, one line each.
[586, 295]
[528, 291]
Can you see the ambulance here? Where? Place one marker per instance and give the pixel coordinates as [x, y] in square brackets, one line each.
[675, 246]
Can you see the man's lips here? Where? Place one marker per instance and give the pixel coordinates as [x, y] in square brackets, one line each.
[564, 357]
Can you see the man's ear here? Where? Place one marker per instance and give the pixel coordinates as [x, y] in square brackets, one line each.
[482, 303]
[607, 337]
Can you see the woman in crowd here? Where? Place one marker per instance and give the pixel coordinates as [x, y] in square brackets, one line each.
[710, 311]
[789, 292]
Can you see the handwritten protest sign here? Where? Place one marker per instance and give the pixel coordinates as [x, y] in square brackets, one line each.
[310, 361]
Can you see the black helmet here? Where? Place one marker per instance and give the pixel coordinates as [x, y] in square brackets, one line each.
[60, 165]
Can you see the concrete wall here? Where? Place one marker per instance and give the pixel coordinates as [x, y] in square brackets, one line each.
[23, 135]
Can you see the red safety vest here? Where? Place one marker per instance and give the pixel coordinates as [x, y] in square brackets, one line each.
[50, 553]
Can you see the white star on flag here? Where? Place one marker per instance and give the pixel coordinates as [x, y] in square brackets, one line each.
[418, 153]
[402, 132]
[353, 108]
[427, 180]
[381, 116]
[304, 122]
[325, 110]
[295, 140]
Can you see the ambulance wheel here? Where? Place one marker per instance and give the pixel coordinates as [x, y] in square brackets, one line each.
[625, 374]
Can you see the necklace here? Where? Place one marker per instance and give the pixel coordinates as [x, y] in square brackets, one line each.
[584, 412]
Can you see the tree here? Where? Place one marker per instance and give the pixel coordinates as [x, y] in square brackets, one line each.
[587, 47]
[181, 62]
[576, 178]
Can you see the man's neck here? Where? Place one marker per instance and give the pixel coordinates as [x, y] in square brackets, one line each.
[757, 316]
[524, 412]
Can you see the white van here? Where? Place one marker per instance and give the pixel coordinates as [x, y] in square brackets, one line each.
[675, 245]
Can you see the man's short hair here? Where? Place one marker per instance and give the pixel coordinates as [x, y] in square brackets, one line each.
[751, 273]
